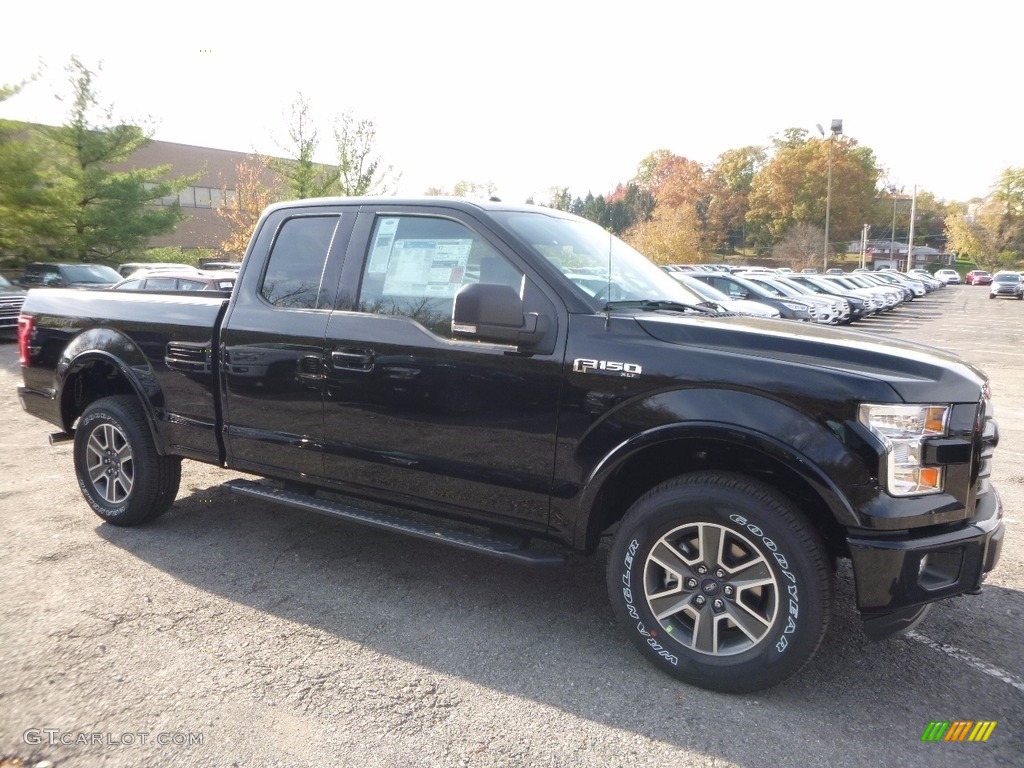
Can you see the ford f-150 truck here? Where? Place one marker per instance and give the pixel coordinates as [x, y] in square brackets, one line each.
[525, 378]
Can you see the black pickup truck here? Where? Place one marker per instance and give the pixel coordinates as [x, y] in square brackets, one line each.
[518, 378]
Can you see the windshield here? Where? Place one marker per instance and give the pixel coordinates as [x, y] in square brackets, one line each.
[594, 260]
[4, 282]
[1009, 278]
[90, 273]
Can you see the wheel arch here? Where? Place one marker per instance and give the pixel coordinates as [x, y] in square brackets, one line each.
[649, 459]
[104, 363]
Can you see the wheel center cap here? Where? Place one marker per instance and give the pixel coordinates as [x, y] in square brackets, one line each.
[709, 587]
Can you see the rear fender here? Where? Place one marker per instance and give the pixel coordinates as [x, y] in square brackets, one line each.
[109, 350]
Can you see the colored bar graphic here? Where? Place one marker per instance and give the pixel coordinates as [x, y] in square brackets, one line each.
[959, 730]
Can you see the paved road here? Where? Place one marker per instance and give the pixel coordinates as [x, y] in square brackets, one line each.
[242, 634]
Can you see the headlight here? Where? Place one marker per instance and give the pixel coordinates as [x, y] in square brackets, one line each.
[902, 429]
[795, 307]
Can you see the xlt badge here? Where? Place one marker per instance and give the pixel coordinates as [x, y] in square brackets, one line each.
[584, 365]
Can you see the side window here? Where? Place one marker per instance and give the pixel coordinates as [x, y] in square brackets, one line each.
[160, 283]
[191, 285]
[296, 264]
[131, 285]
[417, 264]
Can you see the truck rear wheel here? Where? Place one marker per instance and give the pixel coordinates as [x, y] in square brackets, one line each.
[721, 582]
[119, 471]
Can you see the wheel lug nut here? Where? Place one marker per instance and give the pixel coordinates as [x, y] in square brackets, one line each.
[728, 591]
[691, 583]
[699, 601]
[718, 604]
[702, 569]
[719, 574]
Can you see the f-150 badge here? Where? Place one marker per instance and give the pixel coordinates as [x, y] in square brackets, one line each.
[586, 365]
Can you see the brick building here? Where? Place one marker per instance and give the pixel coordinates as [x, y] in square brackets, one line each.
[217, 169]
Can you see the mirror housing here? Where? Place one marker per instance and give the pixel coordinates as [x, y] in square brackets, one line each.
[495, 313]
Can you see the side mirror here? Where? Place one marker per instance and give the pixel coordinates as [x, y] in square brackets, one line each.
[495, 313]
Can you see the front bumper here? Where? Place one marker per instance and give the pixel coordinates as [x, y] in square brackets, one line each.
[893, 575]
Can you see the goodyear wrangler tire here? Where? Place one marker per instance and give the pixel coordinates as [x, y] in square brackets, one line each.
[120, 473]
[721, 582]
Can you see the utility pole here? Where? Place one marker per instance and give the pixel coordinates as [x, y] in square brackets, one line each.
[910, 237]
[836, 128]
[864, 246]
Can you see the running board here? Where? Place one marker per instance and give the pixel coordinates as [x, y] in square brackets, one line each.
[506, 550]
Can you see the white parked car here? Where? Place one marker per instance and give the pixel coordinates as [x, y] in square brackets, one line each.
[1008, 284]
[948, 276]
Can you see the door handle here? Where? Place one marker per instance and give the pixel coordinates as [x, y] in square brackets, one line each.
[352, 359]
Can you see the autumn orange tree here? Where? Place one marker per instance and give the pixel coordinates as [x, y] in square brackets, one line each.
[679, 228]
[792, 188]
[257, 187]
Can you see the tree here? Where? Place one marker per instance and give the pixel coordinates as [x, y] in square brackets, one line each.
[255, 189]
[678, 227]
[359, 169]
[994, 235]
[25, 195]
[303, 176]
[731, 181]
[464, 188]
[801, 246]
[100, 213]
[792, 188]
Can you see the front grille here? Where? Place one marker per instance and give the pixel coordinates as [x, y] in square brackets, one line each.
[10, 308]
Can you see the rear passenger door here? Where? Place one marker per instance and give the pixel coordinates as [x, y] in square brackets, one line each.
[272, 342]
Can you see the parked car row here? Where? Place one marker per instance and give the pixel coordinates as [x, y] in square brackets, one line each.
[829, 299]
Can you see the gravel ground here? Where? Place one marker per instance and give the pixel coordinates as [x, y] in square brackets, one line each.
[235, 633]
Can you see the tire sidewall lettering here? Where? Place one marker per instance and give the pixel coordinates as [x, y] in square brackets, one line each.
[793, 603]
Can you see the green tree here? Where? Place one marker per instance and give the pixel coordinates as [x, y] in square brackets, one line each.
[731, 181]
[302, 175]
[993, 235]
[98, 212]
[360, 169]
[25, 195]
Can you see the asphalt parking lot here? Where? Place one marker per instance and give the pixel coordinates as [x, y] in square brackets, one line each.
[233, 632]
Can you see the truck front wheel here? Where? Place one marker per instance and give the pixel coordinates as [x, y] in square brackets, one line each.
[119, 471]
[721, 582]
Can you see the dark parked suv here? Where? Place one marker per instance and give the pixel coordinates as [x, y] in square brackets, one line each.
[11, 299]
[42, 275]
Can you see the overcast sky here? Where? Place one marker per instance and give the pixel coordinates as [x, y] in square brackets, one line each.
[529, 95]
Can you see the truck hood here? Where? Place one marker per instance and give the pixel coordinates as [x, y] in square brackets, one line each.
[916, 372]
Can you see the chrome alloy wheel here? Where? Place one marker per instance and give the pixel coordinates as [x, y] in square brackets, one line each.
[711, 589]
[110, 463]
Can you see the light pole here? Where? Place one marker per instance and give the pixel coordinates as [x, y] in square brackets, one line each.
[836, 129]
[892, 241]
